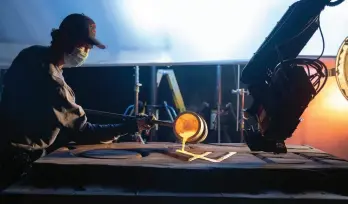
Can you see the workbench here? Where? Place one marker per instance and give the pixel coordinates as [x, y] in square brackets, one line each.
[154, 172]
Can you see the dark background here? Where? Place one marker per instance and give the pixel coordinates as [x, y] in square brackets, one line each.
[112, 89]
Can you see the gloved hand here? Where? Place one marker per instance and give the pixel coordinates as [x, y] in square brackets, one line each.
[145, 122]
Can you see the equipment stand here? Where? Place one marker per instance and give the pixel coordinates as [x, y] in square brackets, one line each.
[240, 122]
[238, 99]
[136, 99]
[170, 110]
[154, 108]
[240, 105]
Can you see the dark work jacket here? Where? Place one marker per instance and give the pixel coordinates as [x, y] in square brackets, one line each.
[37, 104]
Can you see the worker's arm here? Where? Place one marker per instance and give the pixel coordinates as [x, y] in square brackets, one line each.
[71, 116]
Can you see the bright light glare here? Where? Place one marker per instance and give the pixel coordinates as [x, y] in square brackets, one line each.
[146, 16]
[211, 30]
[333, 98]
[179, 31]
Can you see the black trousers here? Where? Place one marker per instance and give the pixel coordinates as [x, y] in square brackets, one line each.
[15, 163]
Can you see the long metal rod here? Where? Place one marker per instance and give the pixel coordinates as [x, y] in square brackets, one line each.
[136, 99]
[238, 99]
[136, 90]
[163, 64]
[193, 63]
[153, 100]
[218, 79]
[108, 114]
[242, 118]
[121, 116]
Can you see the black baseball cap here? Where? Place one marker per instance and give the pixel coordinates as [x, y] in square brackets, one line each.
[81, 27]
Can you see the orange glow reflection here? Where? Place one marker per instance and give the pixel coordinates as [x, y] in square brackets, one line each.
[334, 100]
[325, 124]
[187, 125]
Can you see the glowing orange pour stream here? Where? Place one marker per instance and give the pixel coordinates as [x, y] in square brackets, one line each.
[186, 126]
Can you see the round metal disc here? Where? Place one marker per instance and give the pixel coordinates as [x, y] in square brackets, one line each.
[109, 154]
[342, 68]
[205, 132]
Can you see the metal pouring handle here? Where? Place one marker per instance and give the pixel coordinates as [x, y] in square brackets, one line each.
[120, 116]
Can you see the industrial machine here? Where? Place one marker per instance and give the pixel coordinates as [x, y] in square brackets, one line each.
[281, 84]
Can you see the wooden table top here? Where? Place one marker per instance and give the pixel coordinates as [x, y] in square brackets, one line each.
[138, 169]
[162, 155]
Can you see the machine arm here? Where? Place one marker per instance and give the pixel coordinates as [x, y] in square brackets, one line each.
[281, 84]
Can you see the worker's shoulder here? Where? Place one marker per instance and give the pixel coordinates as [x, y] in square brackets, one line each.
[34, 50]
[28, 60]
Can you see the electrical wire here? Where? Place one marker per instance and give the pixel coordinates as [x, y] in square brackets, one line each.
[319, 67]
[316, 64]
[310, 65]
[319, 78]
[322, 38]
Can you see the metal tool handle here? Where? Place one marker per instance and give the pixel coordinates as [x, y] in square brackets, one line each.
[108, 114]
[120, 116]
[163, 123]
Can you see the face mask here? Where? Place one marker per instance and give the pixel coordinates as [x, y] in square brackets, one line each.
[76, 58]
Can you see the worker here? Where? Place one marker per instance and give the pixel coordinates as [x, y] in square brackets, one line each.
[37, 104]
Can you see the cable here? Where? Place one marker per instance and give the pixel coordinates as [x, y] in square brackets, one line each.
[322, 38]
[320, 69]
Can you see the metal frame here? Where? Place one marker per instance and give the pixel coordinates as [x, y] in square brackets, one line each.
[160, 64]
[238, 87]
[137, 86]
[155, 76]
[169, 64]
